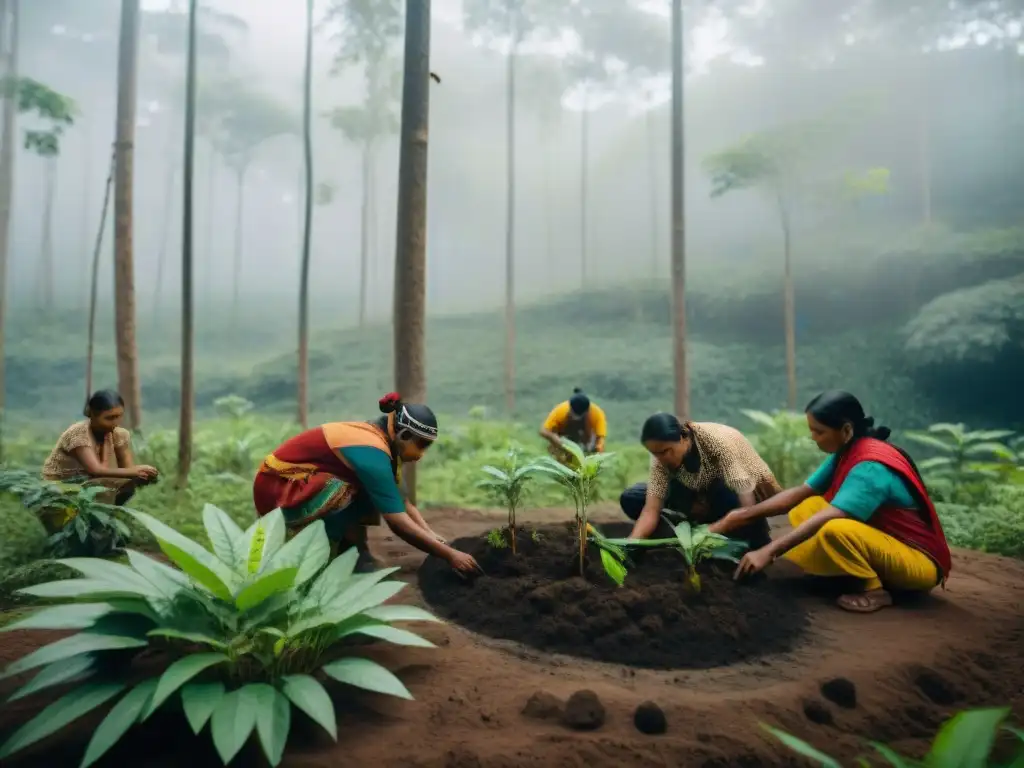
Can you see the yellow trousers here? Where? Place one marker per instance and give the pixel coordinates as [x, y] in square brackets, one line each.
[847, 547]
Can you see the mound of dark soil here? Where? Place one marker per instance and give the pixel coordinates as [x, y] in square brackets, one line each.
[655, 621]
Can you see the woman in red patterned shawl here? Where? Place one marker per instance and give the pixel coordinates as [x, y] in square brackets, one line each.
[864, 514]
[347, 474]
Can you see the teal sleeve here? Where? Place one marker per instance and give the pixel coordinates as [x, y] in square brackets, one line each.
[373, 468]
[822, 477]
[868, 486]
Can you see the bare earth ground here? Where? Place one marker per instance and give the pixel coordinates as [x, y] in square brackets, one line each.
[910, 667]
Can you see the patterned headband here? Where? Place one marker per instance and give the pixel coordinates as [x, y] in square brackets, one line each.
[405, 420]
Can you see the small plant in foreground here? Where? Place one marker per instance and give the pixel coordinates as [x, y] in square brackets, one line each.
[963, 741]
[508, 484]
[496, 539]
[694, 542]
[247, 627]
[84, 526]
[580, 479]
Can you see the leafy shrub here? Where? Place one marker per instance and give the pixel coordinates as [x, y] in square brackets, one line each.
[91, 528]
[507, 484]
[963, 741]
[783, 441]
[247, 626]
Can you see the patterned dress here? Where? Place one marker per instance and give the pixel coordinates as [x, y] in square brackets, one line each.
[726, 455]
[62, 464]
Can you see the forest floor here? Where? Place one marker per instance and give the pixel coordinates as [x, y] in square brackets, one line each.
[480, 702]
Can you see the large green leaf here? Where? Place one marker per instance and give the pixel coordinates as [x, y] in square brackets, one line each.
[199, 700]
[614, 568]
[271, 583]
[966, 740]
[346, 605]
[179, 673]
[803, 748]
[201, 566]
[273, 721]
[70, 616]
[389, 613]
[69, 647]
[82, 589]
[225, 536]
[366, 674]
[189, 637]
[262, 541]
[67, 709]
[332, 579]
[58, 673]
[892, 757]
[121, 717]
[309, 551]
[393, 635]
[106, 570]
[168, 581]
[306, 693]
[232, 722]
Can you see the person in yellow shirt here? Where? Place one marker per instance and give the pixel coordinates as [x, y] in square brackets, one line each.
[575, 419]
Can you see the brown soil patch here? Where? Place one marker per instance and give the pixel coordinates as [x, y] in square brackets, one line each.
[910, 667]
[655, 621]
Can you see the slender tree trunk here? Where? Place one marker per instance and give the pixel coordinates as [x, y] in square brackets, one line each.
[652, 180]
[165, 235]
[364, 232]
[411, 229]
[186, 417]
[584, 162]
[680, 370]
[9, 45]
[46, 250]
[124, 274]
[510, 217]
[236, 269]
[790, 304]
[307, 147]
[549, 230]
[94, 284]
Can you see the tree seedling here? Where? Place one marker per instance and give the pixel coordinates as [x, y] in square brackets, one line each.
[507, 484]
[579, 478]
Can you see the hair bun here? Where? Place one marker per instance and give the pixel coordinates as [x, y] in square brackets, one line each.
[577, 391]
[869, 422]
[390, 402]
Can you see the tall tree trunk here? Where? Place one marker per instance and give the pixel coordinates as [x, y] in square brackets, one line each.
[236, 269]
[652, 180]
[411, 228]
[307, 233]
[124, 273]
[46, 249]
[680, 370]
[510, 217]
[165, 235]
[364, 232]
[185, 413]
[790, 304]
[9, 45]
[584, 162]
[94, 283]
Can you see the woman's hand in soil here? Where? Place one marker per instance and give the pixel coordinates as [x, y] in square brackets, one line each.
[464, 564]
[754, 562]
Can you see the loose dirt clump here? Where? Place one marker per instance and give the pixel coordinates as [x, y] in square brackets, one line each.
[650, 719]
[583, 712]
[544, 706]
[841, 692]
[655, 621]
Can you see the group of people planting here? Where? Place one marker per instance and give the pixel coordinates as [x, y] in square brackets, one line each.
[864, 514]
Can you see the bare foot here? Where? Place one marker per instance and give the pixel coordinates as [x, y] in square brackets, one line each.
[866, 602]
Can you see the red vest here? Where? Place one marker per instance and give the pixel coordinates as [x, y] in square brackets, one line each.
[918, 528]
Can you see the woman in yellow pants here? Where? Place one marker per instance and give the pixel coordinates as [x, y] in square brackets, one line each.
[865, 513]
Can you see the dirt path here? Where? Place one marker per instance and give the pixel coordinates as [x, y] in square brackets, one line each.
[909, 668]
